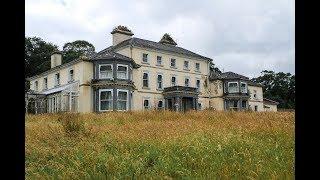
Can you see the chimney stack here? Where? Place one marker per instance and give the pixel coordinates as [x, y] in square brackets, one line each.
[119, 34]
[56, 59]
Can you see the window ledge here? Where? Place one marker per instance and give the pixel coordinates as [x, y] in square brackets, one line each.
[146, 88]
[142, 62]
[159, 89]
[173, 67]
[160, 65]
[186, 69]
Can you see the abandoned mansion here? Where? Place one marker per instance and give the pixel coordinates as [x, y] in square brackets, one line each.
[139, 74]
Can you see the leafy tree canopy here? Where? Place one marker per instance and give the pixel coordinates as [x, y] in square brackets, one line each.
[279, 87]
[75, 49]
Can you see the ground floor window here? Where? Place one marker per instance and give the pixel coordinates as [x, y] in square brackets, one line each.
[122, 100]
[146, 104]
[244, 104]
[160, 104]
[255, 108]
[105, 99]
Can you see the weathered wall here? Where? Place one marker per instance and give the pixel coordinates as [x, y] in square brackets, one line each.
[271, 107]
[258, 101]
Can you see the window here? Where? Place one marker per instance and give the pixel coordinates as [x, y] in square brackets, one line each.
[146, 104]
[197, 66]
[71, 75]
[145, 80]
[122, 71]
[122, 101]
[57, 79]
[173, 81]
[36, 85]
[243, 87]
[159, 81]
[198, 84]
[45, 83]
[159, 60]
[105, 99]
[160, 104]
[255, 108]
[244, 104]
[186, 65]
[145, 58]
[173, 63]
[186, 82]
[255, 93]
[105, 71]
[233, 87]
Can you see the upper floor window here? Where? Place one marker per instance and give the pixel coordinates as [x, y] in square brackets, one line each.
[71, 75]
[36, 85]
[105, 99]
[45, 83]
[197, 66]
[233, 87]
[144, 57]
[173, 63]
[198, 84]
[186, 82]
[122, 100]
[122, 71]
[186, 65]
[57, 79]
[105, 71]
[145, 80]
[255, 93]
[146, 104]
[159, 60]
[173, 81]
[159, 82]
[243, 87]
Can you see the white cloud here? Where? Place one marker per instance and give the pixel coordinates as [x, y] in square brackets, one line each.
[243, 36]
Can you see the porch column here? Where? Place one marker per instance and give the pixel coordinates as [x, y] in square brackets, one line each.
[177, 103]
[194, 104]
[165, 103]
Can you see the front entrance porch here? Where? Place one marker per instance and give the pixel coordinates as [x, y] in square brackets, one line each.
[180, 98]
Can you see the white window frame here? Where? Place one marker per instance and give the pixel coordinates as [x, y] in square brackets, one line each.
[160, 61]
[147, 58]
[160, 74]
[184, 67]
[100, 65]
[127, 104]
[147, 79]
[69, 75]
[123, 65]
[237, 87]
[45, 84]
[175, 63]
[149, 103]
[196, 69]
[199, 83]
[188, 81]
[104, 90]
[246, 88]
[175, 80]
[56, 80]
[163, 106]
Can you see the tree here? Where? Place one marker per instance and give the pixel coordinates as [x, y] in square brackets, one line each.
[37, 55]
[279, 87]
[213, 68]
[75, 49]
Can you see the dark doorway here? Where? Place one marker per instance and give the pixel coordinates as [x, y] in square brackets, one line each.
[170, 105]
[187, 103]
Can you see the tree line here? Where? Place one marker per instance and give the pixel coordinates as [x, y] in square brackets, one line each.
[279, 86]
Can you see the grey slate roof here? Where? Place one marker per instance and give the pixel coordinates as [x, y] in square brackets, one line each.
[159, 46]
[231, 75]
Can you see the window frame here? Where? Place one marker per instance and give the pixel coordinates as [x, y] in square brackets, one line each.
[144, 107]
[237, 87]
[160, 88]
[175, 80]
[123, 65]
[246, 88]
[158, 61]
[57, 80]
[127, 101]
[184, 67]
[197, 69]
[45, 83]
[175, 63]
[69, 75]
[188, 81]
[148, 80]
[197, 79]
[36, 85]
[146, 58]
[99, 72]
[163, 106]
[105, 90]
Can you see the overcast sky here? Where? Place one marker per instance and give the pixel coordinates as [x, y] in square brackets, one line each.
[243, 36]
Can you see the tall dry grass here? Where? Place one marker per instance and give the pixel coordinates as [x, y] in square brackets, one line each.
[161, 145]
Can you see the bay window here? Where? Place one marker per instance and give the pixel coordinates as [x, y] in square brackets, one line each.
[122, 100]
[233, 87]
[105, 71]
[122, 71]
[105, 99]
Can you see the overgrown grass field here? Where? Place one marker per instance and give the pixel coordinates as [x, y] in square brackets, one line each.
[160, 145]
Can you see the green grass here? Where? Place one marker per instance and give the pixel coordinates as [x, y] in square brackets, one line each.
[161, 145]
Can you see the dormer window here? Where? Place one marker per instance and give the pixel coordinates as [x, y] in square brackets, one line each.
[243, 87]
[122, 71]
[105, 71]
[145, 58]
[186, 65]
[233, 87]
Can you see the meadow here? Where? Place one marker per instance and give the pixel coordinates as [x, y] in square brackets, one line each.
[160, 145]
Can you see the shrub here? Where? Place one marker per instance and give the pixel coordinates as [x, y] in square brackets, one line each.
[72, 123]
